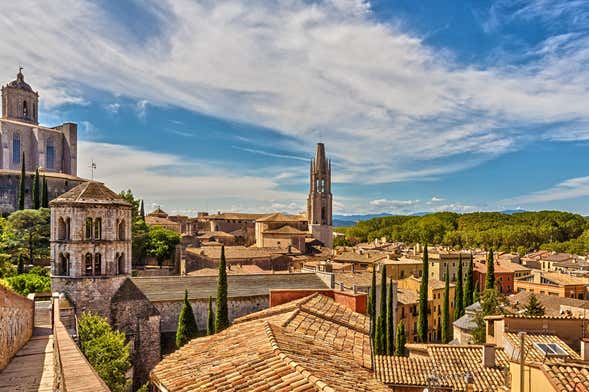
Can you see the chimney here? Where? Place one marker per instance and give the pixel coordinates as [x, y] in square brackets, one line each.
[489, 355]
[585, 349]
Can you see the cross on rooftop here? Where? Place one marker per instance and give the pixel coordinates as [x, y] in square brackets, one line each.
[92, 167]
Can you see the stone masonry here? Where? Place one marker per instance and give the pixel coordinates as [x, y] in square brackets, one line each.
[16, 323]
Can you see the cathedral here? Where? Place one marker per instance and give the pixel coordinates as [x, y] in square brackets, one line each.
[51, 150]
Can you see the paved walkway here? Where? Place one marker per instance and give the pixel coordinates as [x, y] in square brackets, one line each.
[31, 369]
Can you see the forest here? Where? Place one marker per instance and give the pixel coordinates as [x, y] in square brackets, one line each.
[520, 232]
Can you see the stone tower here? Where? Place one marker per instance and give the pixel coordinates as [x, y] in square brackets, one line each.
[19, 101]
[319, 201]
[90, 246]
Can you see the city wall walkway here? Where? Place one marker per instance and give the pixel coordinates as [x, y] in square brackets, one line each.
[32, 368]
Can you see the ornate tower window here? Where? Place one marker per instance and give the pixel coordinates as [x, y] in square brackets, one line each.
[25, 110]
[122, 230]
[98, 229]
[50, 155]
[88, 264]
[16, 149]
[88, 229]
[97, 264]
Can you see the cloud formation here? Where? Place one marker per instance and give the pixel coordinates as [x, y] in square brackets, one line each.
[568, 189]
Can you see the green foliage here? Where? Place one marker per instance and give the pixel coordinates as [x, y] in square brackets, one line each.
[380, 335]
[423, 291]
[130, 198]
[372, 305]
[519, 232]
[37, 270]
[210, 318]
[490, 275]
[400, 340]
[342, 241]
[534, 307]
[106, 351]
[44, 194]
[222, 311]
[161, 243]
[390, 321]
[25, 284]
[458, 294]
[446, 329]
[36, 191]
[7, 268]
[468, 285]
[27, 233]
[21, 265]
[144, 388]
[142, 211]
[21, 184]
[492, 303]
[187, 329]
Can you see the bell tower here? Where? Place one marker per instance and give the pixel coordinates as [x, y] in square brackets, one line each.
[19, 101]
[319, 202]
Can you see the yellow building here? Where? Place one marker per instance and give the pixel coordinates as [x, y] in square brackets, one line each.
[403, 268]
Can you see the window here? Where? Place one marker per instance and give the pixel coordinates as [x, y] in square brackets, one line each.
[61, 228]
[121, 263]
[63, 265]
[50, 155]
[97, 264]
[88, 264]
[122, 230]
[88, 228]
[551, 349]
[16, 149]
[25, 110]
[98, 229]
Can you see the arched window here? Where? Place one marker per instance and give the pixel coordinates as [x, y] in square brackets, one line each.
[98, 229]
[122, 230]
[61, 229]
[50, 154]
[121, 264]
[97, 264]
[68, 223]
[88, 264]
[88, 228]
[16, 149]
[25, 110]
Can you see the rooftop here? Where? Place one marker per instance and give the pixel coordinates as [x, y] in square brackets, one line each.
[171, 288]
[286, 229]
[236, 216]
[157, 220]
[551, 303]
[236, 252]
[567, 377]
[277, 217]
[532, 350]
[91, 192]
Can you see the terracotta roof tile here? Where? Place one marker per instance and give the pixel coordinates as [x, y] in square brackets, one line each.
[277, 217]
[567, 377]
[532, 353]
[91, 192]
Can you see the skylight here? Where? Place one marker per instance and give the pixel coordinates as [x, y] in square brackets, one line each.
[551, 349]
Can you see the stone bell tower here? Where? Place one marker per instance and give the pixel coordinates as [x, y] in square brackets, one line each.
[19, 101]
[319, 202]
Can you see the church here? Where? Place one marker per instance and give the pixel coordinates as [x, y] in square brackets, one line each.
[52, 150]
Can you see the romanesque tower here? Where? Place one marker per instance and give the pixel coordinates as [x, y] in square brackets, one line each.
[319, 201]
[90, 246]
[19, 101]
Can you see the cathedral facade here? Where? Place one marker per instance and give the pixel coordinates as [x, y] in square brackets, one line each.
[51, 150]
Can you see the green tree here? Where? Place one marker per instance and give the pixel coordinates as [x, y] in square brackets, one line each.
[390, 321]
[446, 330]
[106, 351]
[458, 295]
[400, 340]
[130, 198]
[534, 307]
[476, 295]
[372, 305]
[468, 285]
[21, 185]
[490, 277]
[161, 243]
[210, 318]
[381, 338]
[222, 311]
[21, 265]
[492, 303]
[423, 293]
[27, 232]
[44, 194]
[187, 329]
[142, 211]
[36, 191]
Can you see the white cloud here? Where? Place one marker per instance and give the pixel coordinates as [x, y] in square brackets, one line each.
[568, 189]
[389, 107]
[436, 199]
[160, 180]
[112, 107]
[385, 203]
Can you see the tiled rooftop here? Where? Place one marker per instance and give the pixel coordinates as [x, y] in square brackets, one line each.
[277, 217]
[171, 288]
[447, 362]
[568, 377]
[532, 353]
[311, 344]
[236, 252]
[91, 192]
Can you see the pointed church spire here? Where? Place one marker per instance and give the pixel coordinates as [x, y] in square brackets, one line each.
[319, 202]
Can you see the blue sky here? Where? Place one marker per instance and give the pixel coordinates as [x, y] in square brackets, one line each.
[217, 105]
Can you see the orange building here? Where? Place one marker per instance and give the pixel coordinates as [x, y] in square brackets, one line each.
[553, 283]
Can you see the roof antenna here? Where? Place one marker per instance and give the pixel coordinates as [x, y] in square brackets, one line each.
[92, 167]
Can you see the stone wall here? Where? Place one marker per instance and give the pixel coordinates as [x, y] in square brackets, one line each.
[238, 307]
[16, 323]
[194, 261]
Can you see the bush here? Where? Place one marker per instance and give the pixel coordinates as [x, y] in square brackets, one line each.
[26, 284]
[41, 271]
[106, 351]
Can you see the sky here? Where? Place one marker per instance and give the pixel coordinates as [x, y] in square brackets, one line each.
[217, 105]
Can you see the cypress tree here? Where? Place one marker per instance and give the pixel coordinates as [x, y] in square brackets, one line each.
[210, 318]
[21, 265]
[476, 295]
[400, 340]
[36, 191]
[390, 321]
[381, 339]
[534, 307]
[446, 310]
[142, 211]
[468, 285]
[458, 295]
[21, 185]
[423, 291]
[372, 305]
[490, 278]
[44, 194]
[222, 313]
[187, 329]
